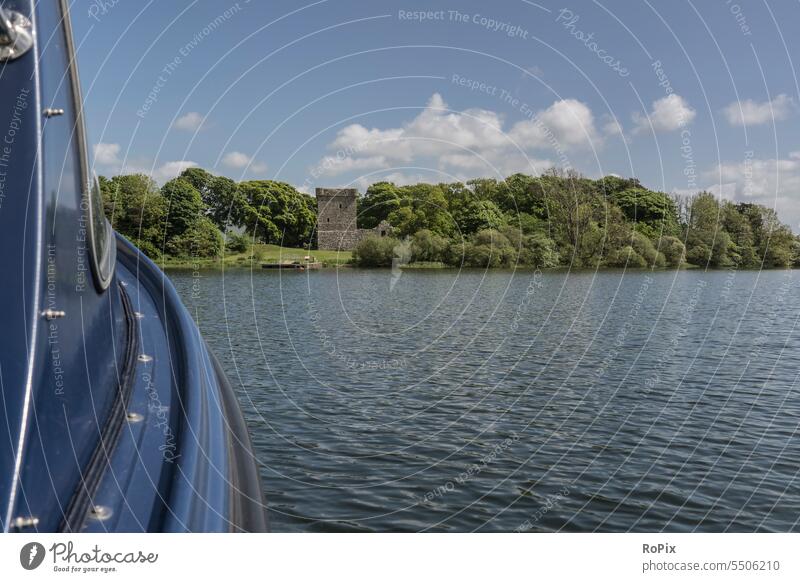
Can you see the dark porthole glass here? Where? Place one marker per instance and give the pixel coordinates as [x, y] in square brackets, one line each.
[101, 239]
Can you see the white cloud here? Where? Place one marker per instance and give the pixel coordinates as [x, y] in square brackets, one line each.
[335, 166]
[668, 114]
[106, 154]
[473, 139]
[236, 160]
[749, 112]
[192, 121]
[565, 123]
[240, 161]
[169, 170]
[534, 70]
[107, 161]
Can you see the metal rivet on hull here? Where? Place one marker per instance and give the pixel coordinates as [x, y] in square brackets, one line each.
[100, 513]
[53, 314]
[135, 417]
[145, 358]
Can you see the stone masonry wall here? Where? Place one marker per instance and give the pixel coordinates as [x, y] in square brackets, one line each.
[336, 220]
[339, 240]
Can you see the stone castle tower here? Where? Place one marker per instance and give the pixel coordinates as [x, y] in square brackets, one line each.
[336, 220]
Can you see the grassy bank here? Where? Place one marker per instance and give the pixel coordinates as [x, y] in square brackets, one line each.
[259, 254]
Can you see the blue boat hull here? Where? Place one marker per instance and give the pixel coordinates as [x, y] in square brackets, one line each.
[117, 417]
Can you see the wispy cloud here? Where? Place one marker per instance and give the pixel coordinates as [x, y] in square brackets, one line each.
[107, 161]
[749, 112]
[241, 161]
[106, 154]
[192, 121]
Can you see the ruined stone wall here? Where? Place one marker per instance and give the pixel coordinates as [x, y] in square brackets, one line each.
[336, 208]
[336, 220]
[338, 240]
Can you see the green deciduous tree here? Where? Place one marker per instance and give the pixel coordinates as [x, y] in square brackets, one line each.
[707, 242]
[136, 209]
[381, 199]
[558, 218]
[276, 213]
[203, 239]
[653, 213]
[219, 194]
[184, 207]
[422, 206]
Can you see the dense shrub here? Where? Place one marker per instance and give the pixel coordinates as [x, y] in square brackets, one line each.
[375, 251]
[489, 248]
[238, 243]
[673, 249]
[538, 251]
[625, 257]
[204, 240]
[427, 246]
[699, 254]
[645, 249]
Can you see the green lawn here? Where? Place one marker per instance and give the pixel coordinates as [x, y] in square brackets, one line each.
[261, 254]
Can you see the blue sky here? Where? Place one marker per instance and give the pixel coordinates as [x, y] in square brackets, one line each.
[683, 95]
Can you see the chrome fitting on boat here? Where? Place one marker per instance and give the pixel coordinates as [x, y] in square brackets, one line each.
[145, 358]
[99, 513]
[135, 417]
[51, 314]
[24, 522]
[16, 34]
[52, 112]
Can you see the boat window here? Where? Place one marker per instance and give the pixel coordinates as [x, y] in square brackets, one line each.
[102, 245]
[101, 238]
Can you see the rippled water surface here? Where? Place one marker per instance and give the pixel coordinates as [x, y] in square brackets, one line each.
[499, 401]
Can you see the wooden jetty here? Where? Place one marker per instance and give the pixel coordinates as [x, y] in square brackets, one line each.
[306, 263]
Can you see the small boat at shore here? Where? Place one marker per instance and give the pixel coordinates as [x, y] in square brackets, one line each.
[117, 417]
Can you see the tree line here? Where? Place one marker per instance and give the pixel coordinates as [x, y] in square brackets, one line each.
[199, 214]
[559, 218]
[562, 218]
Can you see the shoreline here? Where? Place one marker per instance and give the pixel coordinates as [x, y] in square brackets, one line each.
[256, 266]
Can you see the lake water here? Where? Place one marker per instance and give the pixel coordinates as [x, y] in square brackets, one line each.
[500, 401]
